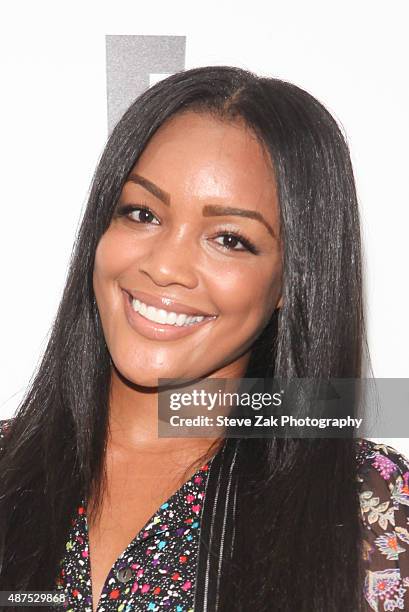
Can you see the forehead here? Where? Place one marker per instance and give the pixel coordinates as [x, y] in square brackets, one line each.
[206, 157]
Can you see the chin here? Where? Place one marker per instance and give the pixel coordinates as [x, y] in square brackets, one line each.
[133, 374]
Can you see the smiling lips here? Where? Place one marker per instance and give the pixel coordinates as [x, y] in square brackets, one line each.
[166, 319]
[166, 303]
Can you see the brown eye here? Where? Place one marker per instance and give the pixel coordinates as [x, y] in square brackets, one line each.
[139, 214]
[231, 239]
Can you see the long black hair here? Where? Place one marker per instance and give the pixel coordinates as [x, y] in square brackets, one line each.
[285, 531]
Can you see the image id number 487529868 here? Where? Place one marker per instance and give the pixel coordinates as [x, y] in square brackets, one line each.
[21, 599]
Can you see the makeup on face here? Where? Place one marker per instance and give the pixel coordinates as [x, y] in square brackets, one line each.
[161, 323]
[189, 271]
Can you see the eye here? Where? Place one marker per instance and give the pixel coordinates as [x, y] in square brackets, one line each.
[232, 238]
[142, 214]
[139, 214]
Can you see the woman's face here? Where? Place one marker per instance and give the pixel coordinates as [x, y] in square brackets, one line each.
[177, 248]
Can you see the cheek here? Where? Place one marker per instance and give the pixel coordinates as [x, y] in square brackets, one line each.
[249, 294]
[111, 256]
[115, 258]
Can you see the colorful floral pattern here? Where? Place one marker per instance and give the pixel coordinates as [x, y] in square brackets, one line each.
[156, 572]
[383, 476]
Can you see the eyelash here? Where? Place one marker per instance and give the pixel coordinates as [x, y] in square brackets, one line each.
[127, 209]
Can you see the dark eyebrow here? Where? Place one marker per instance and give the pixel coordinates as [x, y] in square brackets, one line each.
[212, 209]
[151, 187]
[208, 211]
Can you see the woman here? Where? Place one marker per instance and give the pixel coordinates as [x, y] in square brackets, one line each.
[93, 502]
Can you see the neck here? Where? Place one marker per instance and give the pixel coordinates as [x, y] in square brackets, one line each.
[133, 415]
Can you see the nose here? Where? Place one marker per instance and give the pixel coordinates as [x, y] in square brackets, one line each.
[170, 259]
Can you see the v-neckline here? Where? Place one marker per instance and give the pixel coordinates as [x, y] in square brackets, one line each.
[170, 515]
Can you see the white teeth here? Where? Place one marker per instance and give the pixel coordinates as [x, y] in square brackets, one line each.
[159, 315]
[170, 317]
[181, 320]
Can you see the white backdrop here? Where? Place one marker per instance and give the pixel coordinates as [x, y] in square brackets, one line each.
[353, 56]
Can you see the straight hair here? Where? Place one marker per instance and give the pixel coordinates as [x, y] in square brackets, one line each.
[280, 527]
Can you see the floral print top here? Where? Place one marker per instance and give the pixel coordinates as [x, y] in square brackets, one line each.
[156, 572]
[384, 500]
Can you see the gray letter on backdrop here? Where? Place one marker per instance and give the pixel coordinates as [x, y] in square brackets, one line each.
[130, 60]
